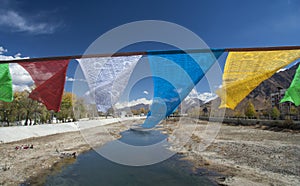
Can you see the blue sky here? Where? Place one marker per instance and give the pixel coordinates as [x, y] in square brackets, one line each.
[54, 28]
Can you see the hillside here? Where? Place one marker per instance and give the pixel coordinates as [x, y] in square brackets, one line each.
[261, 95]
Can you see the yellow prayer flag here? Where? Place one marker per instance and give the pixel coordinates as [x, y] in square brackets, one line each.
[244, 71]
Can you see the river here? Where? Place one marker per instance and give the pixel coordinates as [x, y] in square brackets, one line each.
[91, 168]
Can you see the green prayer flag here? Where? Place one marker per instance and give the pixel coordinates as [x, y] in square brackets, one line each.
[6, 91]
[292, 94]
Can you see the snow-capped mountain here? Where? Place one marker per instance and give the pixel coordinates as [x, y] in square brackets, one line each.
[194, 97]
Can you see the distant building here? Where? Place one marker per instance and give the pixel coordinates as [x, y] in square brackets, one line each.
[284, 108]
[276, 97]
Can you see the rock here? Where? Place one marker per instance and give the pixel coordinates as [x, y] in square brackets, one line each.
[206, 163]
[257, 126]
[264, 127]
[287, 130]
[221, 179]
[5, 167]
[67, 155]
[182, 152]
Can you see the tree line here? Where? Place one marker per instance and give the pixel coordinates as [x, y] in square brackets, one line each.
[289, 111]
[32, 112]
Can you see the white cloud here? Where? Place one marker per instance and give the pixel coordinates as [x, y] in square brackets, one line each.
[21, 79]
[20, 88]
[146, 92]
[207, 96]
[18, 55]
[16, 22]
[204, 96]
[70, 79]
[73, 79]
[133, 103]
[218, 86]
[2, 50]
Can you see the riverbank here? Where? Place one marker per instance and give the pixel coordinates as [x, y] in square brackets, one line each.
[16, 133]
[18, 166]
[247, 155]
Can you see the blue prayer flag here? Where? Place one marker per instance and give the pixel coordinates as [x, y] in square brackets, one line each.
[174, 76]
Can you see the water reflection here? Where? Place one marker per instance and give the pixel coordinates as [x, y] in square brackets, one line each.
[92, 169]
[137, 148]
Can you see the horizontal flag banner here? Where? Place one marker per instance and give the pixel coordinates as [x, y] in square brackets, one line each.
[244, 71]
[175, 73]
[292, 94]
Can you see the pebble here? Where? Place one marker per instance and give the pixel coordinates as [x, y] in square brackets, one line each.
[5, 167]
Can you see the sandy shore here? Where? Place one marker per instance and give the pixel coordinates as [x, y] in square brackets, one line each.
[245, 155]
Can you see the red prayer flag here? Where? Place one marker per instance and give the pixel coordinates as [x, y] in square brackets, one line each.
[49, 78]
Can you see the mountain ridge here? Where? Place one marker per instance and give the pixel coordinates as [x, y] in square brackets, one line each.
[261, 95]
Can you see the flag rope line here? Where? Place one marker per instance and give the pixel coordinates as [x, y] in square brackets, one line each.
[118, 54]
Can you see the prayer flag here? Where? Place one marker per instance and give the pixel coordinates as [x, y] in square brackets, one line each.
[107, 78]
[49, 78]
[292, 94]
[244, 71]
[174, 76]
[6, 91]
